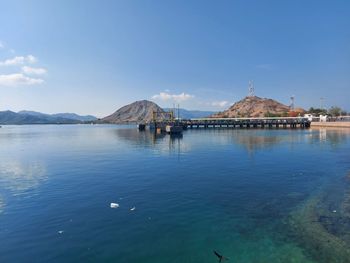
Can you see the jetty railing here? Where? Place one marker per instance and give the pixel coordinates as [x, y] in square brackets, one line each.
[268, 122]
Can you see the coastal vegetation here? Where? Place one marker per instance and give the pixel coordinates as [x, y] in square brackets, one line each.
[334, 111]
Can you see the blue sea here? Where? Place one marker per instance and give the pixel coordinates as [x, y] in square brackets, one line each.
[252, 195]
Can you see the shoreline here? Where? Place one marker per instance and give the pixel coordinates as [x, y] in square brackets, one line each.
[345, 124]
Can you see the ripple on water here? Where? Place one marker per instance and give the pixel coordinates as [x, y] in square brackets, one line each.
[247, 193]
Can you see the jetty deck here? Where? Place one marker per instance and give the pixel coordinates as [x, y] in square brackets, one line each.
[271, 122]
[287, 122]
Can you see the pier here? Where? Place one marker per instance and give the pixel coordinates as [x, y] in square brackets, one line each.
[286, 122]
[234, 123]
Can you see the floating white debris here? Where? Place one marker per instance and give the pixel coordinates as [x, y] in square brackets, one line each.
[114, 205]
[60, 232]
[132, 209]
[334, 211]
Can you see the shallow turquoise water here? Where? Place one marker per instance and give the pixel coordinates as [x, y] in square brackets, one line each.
[228, 190]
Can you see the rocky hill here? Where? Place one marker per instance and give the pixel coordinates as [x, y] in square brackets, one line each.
[254, 107]
[139, 111]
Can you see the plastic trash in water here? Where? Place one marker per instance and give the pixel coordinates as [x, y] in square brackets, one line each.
[133, 208]
[114, 205]
[334, 211]
[60, 232]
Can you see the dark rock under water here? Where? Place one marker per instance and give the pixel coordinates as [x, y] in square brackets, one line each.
[322, 224]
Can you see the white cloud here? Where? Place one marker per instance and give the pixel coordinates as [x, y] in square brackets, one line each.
[220, 104]
[18, 79]
[19, 60]
[165, 96]
[33, 71]
[31, 59]
[12, 61]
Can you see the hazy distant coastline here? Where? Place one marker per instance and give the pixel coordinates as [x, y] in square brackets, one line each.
[32, 117]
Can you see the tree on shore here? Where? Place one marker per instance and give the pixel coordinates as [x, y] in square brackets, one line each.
[317, 111]
[335, 111]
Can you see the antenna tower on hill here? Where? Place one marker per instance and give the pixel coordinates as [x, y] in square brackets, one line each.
[292, 98]
[251, 88]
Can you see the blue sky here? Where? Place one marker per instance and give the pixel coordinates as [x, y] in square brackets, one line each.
[92, 57]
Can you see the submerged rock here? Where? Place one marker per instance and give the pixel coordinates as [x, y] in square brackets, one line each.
[323, 233]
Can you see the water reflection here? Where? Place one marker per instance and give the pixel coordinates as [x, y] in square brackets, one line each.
[252, 140]
[2, 204]
[18, 176]
[214, 184]
[162, 142]
[332, 136]
[135, 136]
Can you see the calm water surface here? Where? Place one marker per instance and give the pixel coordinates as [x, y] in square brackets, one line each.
[234, 191]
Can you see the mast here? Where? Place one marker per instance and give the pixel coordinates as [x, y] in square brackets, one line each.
[250, 88]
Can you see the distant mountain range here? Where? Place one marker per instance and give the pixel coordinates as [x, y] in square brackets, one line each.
[33, 117]
[143, 111]
[70, 116]
[139, 111]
